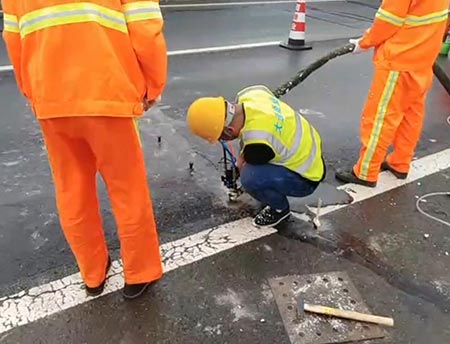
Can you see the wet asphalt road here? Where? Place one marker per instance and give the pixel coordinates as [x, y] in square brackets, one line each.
[185, 28]
[26, 190]
[27, 207]
[33, 251]
[227, 298]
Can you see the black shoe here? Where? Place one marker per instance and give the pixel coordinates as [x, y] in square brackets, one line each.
[269, 217]
[98, 290]
[350, 177]
[399, 175]
[132, 291]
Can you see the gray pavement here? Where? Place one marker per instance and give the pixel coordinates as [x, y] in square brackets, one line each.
[227, 298]
[222, 299]
[26, 188]
[185, 28]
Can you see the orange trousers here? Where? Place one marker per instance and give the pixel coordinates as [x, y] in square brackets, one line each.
[393, 114]
[79, 148]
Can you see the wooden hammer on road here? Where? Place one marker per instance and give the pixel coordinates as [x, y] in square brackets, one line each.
[303, 307]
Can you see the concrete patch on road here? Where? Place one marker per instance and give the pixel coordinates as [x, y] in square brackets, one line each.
[385, 243]
[442, 286]
[237, 304]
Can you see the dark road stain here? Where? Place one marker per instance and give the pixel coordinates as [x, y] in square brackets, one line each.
[356, 251]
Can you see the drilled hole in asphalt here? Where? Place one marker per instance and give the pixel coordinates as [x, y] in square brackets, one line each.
[290, 308]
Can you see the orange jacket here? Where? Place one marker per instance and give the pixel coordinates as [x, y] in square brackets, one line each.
[407, 34]
[90, 58]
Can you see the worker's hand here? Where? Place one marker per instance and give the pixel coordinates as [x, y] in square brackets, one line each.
[358, 48]
[147, 104]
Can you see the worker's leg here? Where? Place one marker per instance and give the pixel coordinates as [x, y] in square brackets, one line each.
[116, 145]
[73, 168]
[271, 184]
[383, 112]
[408, 133]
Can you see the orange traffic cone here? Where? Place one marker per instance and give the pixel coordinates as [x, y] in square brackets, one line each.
[297, 35]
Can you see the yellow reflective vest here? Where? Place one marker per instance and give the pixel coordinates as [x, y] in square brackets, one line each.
[268, 120]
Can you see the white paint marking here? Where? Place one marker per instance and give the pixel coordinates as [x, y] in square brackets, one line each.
[223, 48]
[6, 68]
[51, 298]
[45, 300]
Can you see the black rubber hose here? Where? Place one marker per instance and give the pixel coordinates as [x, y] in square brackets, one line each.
[304, 73]
[442, 76]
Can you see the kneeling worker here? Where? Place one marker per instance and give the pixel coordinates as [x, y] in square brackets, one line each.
[280, 152]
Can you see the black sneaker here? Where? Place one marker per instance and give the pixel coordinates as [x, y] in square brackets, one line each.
[399, 175]
[350, 177]
[269, 217]
[98, 290]
[132, 291]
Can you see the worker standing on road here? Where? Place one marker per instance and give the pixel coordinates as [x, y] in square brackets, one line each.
[407, 36]
[281, 153]
[89, 69]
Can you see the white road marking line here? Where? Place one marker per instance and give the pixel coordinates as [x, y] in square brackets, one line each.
[9, 68]
[420, 168]
[223, 48]
[59, 295]
[39, 302]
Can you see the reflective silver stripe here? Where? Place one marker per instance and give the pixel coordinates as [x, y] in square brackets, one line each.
[303, 168]
[97, 13]
[142, 10]
[281, 150]
[277, 145]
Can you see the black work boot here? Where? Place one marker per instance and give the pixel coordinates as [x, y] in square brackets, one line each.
[399, 175]
[133, 291]
[350, 177]
[269, 217]
[98, 290]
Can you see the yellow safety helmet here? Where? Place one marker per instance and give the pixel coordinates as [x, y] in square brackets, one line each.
[206, 118]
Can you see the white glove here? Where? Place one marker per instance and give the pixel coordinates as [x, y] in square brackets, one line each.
[157, 100]
[358, 48]
[147, 104]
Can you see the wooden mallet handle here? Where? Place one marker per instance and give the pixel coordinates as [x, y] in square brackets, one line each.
[349, 315]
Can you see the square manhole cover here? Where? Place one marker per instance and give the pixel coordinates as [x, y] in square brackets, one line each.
[333, 289]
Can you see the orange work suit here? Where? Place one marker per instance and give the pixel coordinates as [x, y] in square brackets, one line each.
[86, 68]
[407, 37]
[78, 148]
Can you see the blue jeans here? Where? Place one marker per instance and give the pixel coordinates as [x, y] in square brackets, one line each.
[270, 184]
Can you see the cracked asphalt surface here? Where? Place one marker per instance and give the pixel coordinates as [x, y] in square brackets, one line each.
[223, 298]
